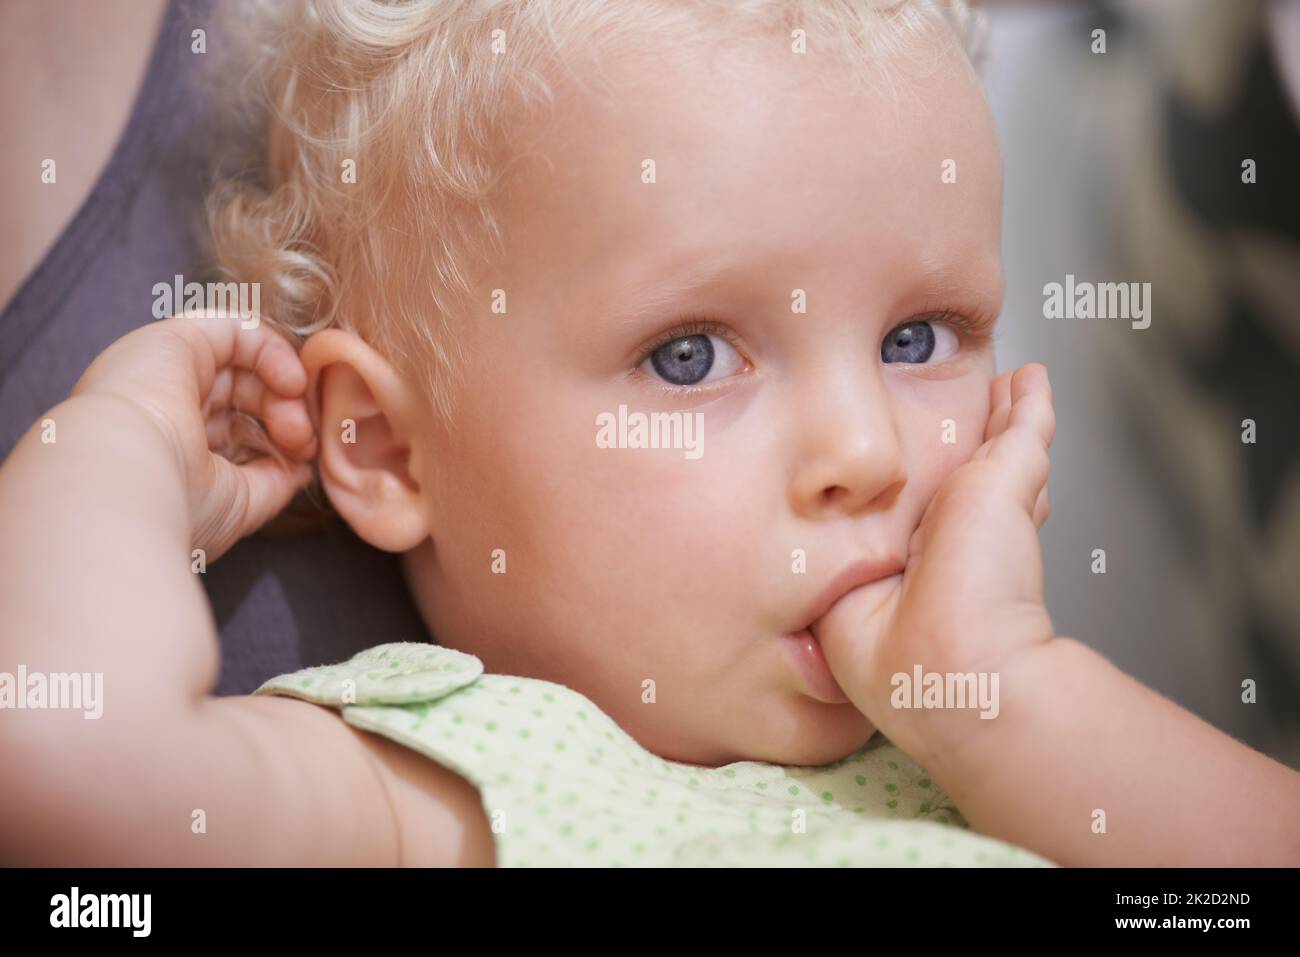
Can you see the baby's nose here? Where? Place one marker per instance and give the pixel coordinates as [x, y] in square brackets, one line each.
[850, 457]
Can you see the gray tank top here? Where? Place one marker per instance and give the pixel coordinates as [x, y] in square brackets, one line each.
[281, 603]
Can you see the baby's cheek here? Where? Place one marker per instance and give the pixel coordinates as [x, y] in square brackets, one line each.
[963, 419]
[945, 427]
[936, 453]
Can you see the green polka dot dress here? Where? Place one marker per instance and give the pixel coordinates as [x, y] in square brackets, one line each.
[563, 784]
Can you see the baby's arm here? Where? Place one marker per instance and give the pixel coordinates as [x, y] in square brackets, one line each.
[95, 539]
[1076, 738]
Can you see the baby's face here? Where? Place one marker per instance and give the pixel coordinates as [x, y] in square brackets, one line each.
[765, 279]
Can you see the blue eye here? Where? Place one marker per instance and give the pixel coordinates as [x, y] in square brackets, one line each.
[684, 361]
[691, 359]
[916, 341]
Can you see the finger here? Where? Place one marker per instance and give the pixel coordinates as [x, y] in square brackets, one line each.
[223, 385]
[234, 391]
[230, 341]
[289, 426]
[850, 633]
[246, 497]
[219, 429]
[273, 359]
[1021, 431]
[1022, 463]
[271, 486]
[1000, 401]
[239, 390]
[248, 392]
[1031, 402]
[285, 421]
[1041, 508]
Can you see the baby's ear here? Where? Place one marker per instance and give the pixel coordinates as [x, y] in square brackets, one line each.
[365, 415]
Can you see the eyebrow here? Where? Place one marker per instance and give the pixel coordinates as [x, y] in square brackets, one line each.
[980, 288]
[649, 298]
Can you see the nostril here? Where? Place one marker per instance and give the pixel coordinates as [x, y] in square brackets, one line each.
[833, 494]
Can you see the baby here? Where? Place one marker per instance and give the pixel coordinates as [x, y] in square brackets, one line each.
[493, 229]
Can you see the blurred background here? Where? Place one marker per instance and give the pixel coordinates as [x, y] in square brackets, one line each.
[1127, 166]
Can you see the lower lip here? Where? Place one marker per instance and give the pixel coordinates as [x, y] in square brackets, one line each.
[808, 657]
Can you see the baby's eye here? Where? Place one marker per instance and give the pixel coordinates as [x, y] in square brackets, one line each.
[917, 341]
[690, 360]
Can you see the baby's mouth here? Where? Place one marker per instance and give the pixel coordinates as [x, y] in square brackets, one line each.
[805, 644]
[850, 579]
[819, 682]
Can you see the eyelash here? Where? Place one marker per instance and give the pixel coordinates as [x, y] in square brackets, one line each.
[690, 325]
[973, 329]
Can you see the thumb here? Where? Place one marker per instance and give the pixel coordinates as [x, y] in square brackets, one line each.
[245, 497]
[271, 486]
[850, 635]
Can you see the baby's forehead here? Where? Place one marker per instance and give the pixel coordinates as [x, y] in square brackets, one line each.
[686, 109]
[710, 66]
[752, 151]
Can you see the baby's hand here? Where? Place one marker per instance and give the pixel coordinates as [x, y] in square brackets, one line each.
[190, 376]
[971, 597]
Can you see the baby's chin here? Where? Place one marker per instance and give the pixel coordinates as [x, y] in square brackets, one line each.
[809, 733]
[822, 734]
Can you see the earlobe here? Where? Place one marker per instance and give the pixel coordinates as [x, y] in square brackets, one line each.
[364, 414]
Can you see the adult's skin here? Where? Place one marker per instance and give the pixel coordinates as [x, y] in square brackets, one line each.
[69, 74]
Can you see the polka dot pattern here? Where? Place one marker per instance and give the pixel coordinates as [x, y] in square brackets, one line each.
[563, 784]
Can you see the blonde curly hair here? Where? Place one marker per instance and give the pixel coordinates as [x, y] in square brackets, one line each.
[418, 99]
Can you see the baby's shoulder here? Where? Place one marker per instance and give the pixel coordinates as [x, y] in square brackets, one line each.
[438, 812]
